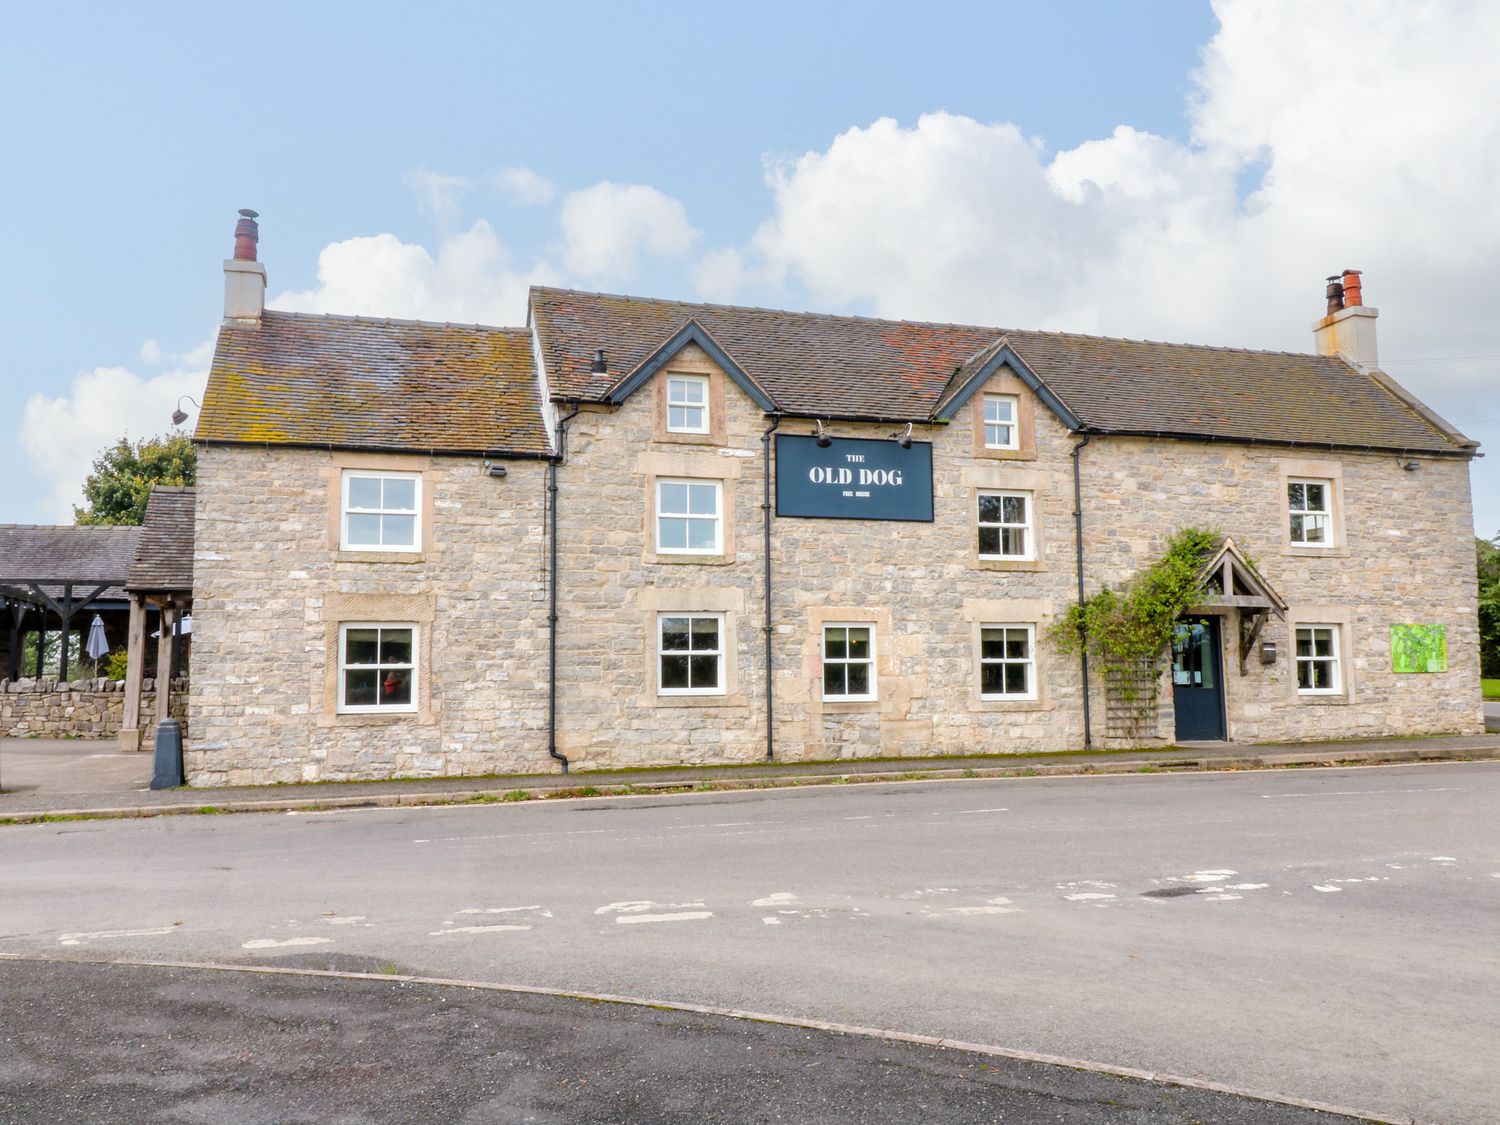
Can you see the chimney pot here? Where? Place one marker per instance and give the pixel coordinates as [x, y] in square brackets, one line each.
[599, 365]
[246, 235]
[1335, 294]
[1352, 296]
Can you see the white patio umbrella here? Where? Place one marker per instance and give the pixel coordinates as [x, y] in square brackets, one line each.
[96, 646]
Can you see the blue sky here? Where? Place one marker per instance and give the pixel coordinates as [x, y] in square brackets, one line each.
[1166, 170]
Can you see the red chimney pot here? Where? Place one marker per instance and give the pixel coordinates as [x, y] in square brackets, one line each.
[1352, 297]
[246, 235]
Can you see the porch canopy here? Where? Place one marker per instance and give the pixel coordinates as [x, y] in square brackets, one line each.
[1231, 581]
[54, 574]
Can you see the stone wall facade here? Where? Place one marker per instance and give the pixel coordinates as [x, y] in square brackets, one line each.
[272, 587]
[80, 709]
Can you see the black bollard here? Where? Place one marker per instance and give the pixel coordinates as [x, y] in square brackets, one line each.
[167, 772]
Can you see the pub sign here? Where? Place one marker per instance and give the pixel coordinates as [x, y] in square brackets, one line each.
[853, 479]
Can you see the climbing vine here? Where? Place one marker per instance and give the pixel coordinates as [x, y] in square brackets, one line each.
[1126, 631]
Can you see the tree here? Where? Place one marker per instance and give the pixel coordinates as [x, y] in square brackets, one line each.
[117, 489]
[1489, 605]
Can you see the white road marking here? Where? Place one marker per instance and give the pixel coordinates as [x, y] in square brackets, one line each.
[1443, 859]
[771, 921]
[345, 920]
[497, 909]
[1219, 898]
[89, 935]
[780, 898]
[1357, 792]
[517, 835]
[858, 818]
[1326, 889]
[684, 916]
[972, 812]
[725, 824]
[1247, 886]
[995, 906]
[474, 930]
[1087, 896]
[1096, 884]
[272, 943]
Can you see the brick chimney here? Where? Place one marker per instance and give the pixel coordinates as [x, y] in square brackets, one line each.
[1349, 328]
[244, 277]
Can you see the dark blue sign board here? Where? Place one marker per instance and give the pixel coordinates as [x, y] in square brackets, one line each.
[853, 479]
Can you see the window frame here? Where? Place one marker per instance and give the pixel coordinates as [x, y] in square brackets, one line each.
[870, 696]
[1336, 659]
[412, 669]
[345, 511]
[1029, 663]
[718, 517]
[719, 653]
[985, 423]
[1028, 528]
[1326, 512]
[705, 404]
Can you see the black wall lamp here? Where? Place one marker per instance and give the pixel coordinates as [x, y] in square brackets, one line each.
[824, 441]
[179, 416]
[495, 469]
[904, 440]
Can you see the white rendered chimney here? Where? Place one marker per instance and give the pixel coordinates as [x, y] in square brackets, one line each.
[244, 277]
[1349, 328]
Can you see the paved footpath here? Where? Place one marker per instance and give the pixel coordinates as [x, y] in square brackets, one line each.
[68, 778]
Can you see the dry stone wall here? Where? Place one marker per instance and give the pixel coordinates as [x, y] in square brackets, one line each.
[80, 709]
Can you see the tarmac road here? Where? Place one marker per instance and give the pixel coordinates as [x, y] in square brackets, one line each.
[109, 1044]
[1322, 934]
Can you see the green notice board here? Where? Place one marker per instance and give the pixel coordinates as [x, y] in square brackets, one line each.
[1419, 648]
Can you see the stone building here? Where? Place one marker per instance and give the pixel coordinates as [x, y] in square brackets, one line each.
[642, 532]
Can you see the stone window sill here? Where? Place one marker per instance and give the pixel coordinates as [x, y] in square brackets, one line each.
[1300, 552]
[1006, 454]
[1323, 700]
[1024, 565]
[400, 558]
[1003, 706]
[727, 701]
[849, 707]
[666, 438]
[691, 560]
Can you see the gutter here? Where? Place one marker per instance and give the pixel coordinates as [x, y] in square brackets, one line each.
[552, 466]
[766, 629]
[1083, 655]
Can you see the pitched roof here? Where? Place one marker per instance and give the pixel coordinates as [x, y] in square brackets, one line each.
[815, 365]
[53, 554]
[363, 383]
[164, 554]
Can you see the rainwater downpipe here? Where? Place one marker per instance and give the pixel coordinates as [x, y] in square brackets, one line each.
[1083, 656]
[552, 466]
[766, 629]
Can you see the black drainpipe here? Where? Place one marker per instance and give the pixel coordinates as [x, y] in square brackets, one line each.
[557, 457]
[1083, 658]
[765, 515]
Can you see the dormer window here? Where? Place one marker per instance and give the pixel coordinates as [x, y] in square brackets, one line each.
[687, 404]
[1000, 418]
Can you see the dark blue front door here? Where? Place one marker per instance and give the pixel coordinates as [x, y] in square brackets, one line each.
[1197, 680]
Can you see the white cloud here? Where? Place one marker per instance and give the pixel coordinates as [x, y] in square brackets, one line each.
[151, 351]
[62, 436]
[605, 229]
[438, 193]
[471, 280]
[524, 186]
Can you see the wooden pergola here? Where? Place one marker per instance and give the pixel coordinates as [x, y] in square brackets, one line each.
[161, 575]
[56, 573]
